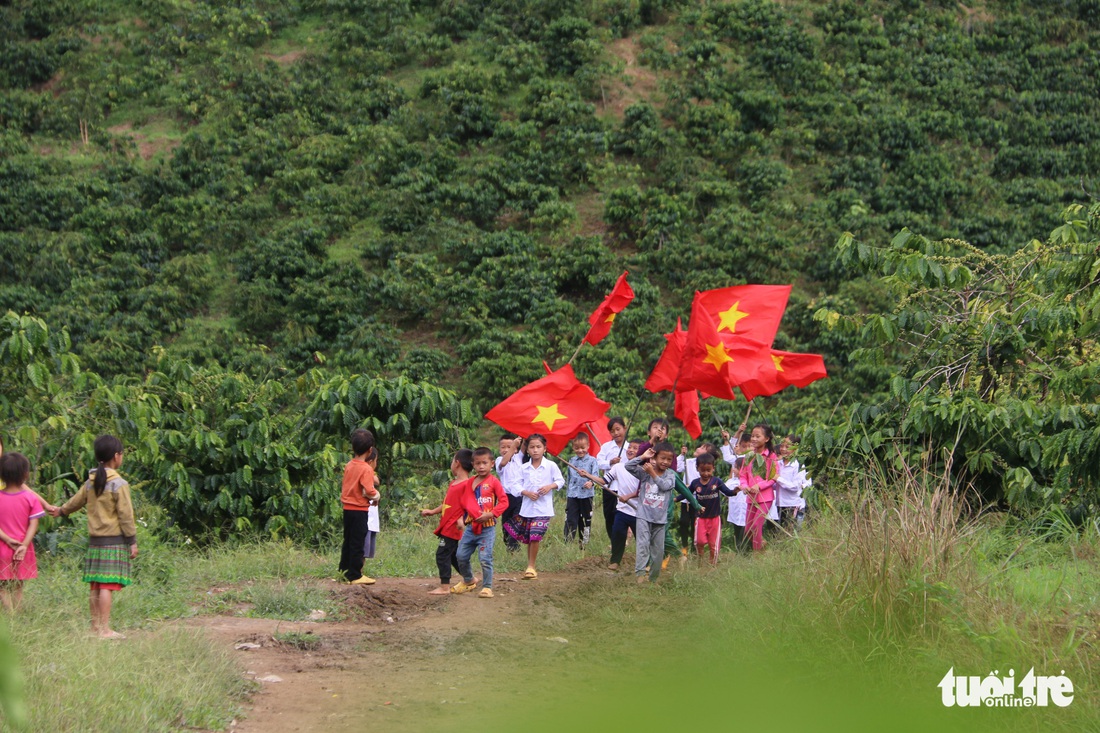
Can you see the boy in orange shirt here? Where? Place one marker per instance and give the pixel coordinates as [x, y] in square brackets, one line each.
[356, 494]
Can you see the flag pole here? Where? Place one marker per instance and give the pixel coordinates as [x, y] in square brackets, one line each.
[579, 347]
[629, 422]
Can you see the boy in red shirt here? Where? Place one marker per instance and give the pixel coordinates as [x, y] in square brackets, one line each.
[484, 501]
[451, 525]
[356, 494]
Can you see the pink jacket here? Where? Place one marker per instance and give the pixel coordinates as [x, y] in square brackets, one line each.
[766, 482]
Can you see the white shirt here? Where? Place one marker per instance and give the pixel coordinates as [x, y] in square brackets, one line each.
[533, 479]
[610, 450]
[738, 505]
[789, 484]
[510, 474]
[624, 484]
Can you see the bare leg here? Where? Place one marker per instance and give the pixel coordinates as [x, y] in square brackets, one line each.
[105, 613]
[532, 554]
[17, 595]
[93, 604]
[442, 590]
[5, 597]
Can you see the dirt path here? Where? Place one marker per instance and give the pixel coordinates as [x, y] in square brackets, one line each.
[402, 658]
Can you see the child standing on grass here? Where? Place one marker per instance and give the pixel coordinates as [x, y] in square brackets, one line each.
[112, 532]
[357, 491]
[611, 454]
[708, 490]
[509, 465]
[624, 487]
[483, 500]
[653, 469]
[20, 511]
[789, 484]
[757, 477]
[579, 492]
[451, 525]
[738, 504]
[374, 519]
[541, 476]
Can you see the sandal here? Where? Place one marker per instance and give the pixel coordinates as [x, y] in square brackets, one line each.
[530, 574]
[485, 593]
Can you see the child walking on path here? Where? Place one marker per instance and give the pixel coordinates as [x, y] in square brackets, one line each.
[357, 491]
[483, 500]
[708, 490]
[509, 465]
[757, 476]
[579, 492]
[451, 525]
[540, 477]
[657, 480]
[624, 487]
[611, 454]
[112, 532]
[20, 510]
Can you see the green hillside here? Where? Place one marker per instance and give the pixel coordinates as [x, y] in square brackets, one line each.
[277, 194]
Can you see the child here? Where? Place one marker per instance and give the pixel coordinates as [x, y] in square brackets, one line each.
[540, 477]
[483, 499]
[112, 532]
[657, 432]
[373, 519]
[509, 465]
[611, 454]
[357, 491]
[708, 490]
[653, 469]
[737, 504]
[757, 477]
[579, 491]
[789, 484]
[624, 488]
[20, 511]
[687, 466]
[451, 525]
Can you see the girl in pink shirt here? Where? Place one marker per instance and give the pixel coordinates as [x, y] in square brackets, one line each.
[20, 510]
[758, 472]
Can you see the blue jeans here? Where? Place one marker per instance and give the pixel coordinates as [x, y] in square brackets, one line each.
[484, 544]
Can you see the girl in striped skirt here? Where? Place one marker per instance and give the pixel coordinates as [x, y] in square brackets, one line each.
[112, 533]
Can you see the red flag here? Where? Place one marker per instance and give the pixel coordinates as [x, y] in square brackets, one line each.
[747, 313]
[687, 412]
[557, 406]
[601, 319]
[783, 369]
[712, 362]
[664, 373]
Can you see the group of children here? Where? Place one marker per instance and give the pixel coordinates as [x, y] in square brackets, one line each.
[641, 486]
[112, 531]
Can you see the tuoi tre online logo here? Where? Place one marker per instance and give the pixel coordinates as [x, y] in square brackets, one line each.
[992, 691]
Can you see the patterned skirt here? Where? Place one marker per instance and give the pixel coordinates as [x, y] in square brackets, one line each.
[109, 564]
[527, 529]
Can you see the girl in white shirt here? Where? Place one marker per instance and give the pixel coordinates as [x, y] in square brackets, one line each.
[541, 476]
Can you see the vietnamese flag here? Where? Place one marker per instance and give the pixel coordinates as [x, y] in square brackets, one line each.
[745, 313]
[687, 412]
[557, 406]
[663, 376]
[601, 319]
[783, 369]
[712, 362]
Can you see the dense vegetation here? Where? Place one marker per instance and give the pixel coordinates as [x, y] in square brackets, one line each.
[232, 231]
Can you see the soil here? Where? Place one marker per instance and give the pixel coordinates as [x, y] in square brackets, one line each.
[398, 654]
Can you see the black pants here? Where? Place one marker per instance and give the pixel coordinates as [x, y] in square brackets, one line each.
[623, 522]
[610, 507]
[578, 515]
[351, 552]
[446, 557]
[687, 526]
[514, 504]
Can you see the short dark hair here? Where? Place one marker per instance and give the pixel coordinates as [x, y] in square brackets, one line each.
[615, 421]
[581, 436]
[704, 459]
[14, 469]
[658, 421]
[482, 452]
[362, 440]
[507, 436]
[711, 450]
[793, 439]
[664, 446]
[465, 458]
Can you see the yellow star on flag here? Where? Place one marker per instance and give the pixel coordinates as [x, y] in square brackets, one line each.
[778, 361]
[717, 356]
[610, 318]
[548, 415]
[728, 319]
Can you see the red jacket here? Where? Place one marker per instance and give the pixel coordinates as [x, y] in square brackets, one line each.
[452, 510]
[478, 498]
